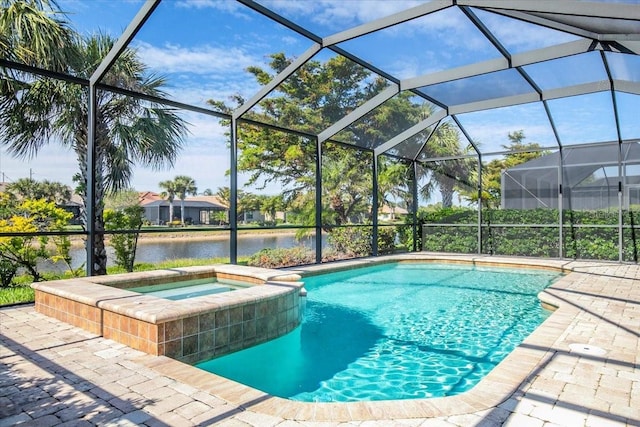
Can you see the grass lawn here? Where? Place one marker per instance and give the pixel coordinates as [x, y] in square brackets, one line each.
[16, 294]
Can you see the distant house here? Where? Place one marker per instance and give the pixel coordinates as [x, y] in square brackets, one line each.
[391, 213]
[207, 210]
[75, 206]
[590, 179]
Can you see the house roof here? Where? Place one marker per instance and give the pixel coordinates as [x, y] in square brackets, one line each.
[211, 199]
[147, 196]
[578, 163]
[386, 209]
[187, 204]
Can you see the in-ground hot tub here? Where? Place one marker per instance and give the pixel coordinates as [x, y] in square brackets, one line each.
[264, 304]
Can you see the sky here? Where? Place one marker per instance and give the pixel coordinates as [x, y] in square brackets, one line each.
[203, 48]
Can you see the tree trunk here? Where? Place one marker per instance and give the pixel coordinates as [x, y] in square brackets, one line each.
[338, 207]
[99, 266]
[99, 247]
[446, 190]
[447, 197]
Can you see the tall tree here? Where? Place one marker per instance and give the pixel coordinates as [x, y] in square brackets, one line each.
[35, 33]
[169, 192]
[184, 186]
[28, 188]
[247, 201]
[445, 175]
[312, 99]
[517, 152]
[270, 205]
[35, 110]
[393, 185]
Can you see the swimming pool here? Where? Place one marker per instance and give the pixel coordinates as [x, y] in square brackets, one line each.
[395, 331]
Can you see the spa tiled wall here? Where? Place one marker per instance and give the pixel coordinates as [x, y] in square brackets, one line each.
[73, 312]
[201, 337]
[193, 337]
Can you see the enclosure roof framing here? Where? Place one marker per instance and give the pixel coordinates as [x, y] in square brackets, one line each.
[595, 26]
[574, 50]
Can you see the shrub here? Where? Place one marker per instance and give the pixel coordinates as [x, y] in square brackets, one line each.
[386, 240]
[350, 241]
[125, 244]
[282, 257]
[540, 240]
[8, 271]
[25, 252]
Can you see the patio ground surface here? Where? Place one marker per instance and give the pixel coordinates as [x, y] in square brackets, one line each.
[581, 367]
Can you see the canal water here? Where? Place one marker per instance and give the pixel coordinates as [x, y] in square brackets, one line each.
[156, 250]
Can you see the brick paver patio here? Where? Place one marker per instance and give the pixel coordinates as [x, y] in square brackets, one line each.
[580, 368]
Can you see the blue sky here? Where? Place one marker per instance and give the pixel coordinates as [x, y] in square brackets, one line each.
[204, 46]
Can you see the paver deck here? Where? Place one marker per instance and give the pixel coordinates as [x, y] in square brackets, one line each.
[581, 367]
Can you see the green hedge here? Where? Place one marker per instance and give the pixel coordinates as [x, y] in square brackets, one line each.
[580, 241]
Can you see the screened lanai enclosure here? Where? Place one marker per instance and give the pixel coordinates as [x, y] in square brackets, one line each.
[329, 129]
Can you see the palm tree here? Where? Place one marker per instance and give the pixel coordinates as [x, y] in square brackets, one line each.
[446, 175]
[169, 193]
[184, 185]
[393, 181]
[34, 33]
[36, 110]
[224, 194]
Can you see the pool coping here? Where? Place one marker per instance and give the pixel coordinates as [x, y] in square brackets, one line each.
[495, 388]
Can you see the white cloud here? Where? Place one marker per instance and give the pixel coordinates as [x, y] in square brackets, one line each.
[339, 14]
[522, 36]
[228, 6]
[195, 59]
[220, 89]
[204, 130]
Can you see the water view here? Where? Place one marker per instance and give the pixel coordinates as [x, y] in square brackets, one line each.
[156, 251]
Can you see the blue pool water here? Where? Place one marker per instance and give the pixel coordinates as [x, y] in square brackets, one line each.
[395, 331]
[188, 288]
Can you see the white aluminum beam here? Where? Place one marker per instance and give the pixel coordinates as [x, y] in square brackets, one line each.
[564, 92]
[368, 106]
[632, 37]
[564, 7]
[490, 104]
[388, 21]
[626, 86]
[549, 23]
[633, 46]
[581, 89]
[457, 73]
[412, 131]
[282, 76]
[549, 53]
[498, 64]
